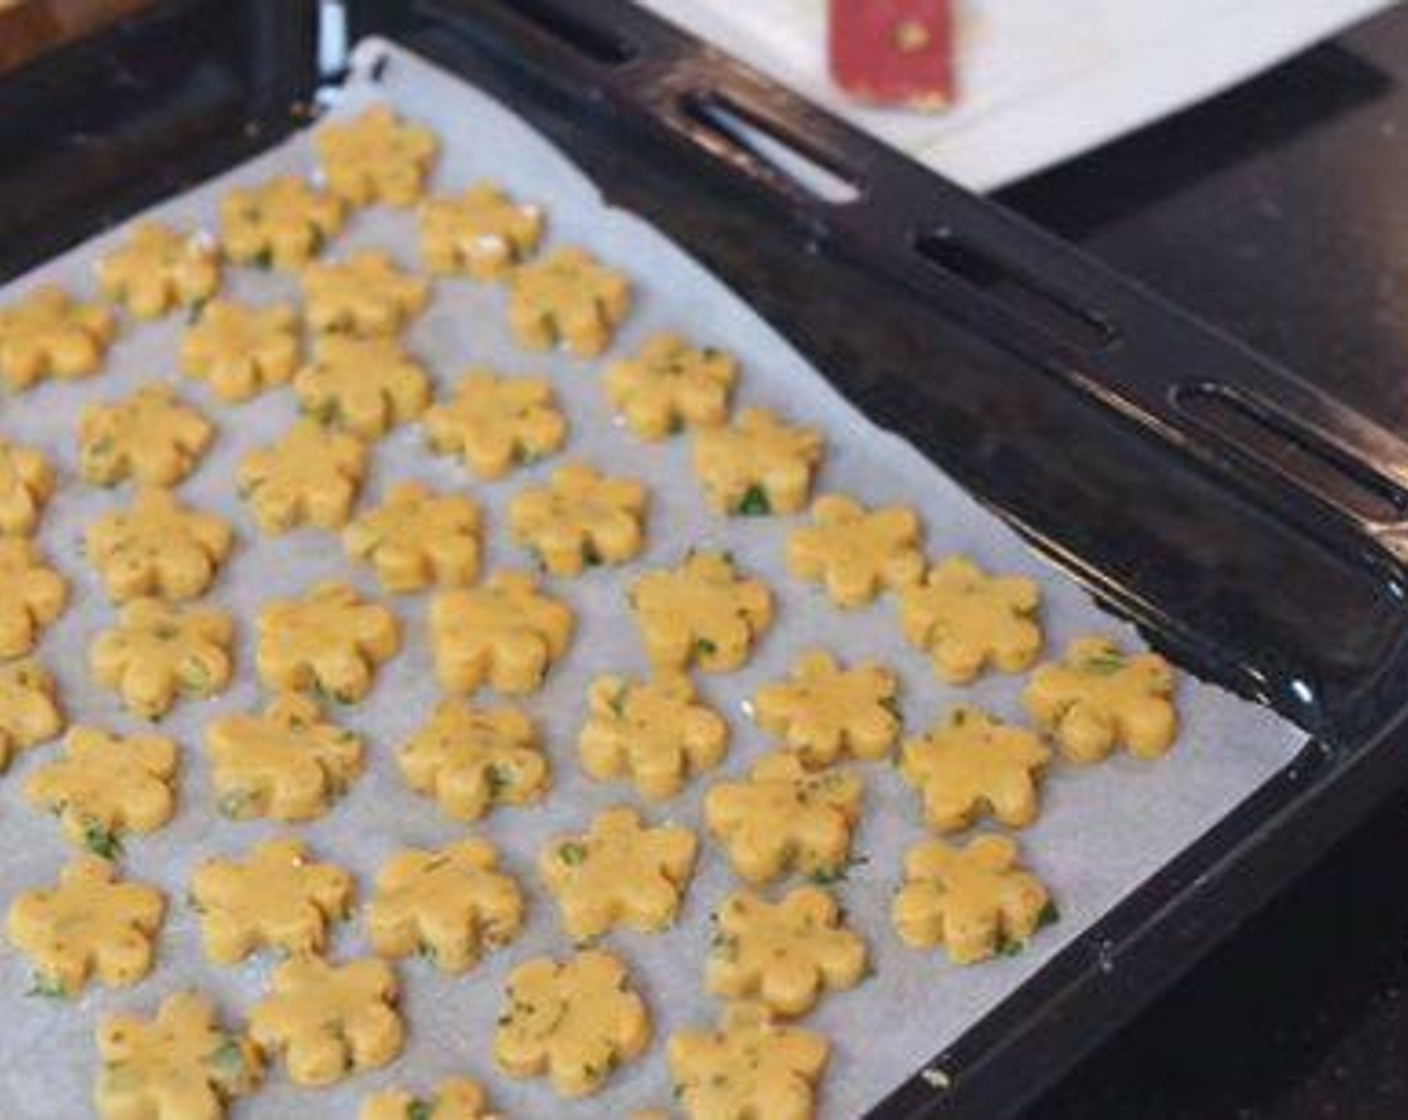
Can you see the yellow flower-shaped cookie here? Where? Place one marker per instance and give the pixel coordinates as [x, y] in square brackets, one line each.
[329, 1021]
[281, 223]
[331, 641]
[825, 712]
[29, 708]
[455, 1098]
[567, 298]
[34, 595]
[180, 1066]
[288, 764]
[157, 547]
[786, 953]
[702, 613]
[505, 634]
[151, 437]
[366, 386]
[88, 924]
[157, 652]
[376, 157]
[581, 518]
[494, 423]
[26, 484]
[967, 620]
[971, 765]
[783, 818]
[50, 334]
[417, 539]
[856, 553]
[669, 385]
[576, 1022]
[158, 268]
[481, 233]
[239, 350]
[1098, 698]
[277, 898]
[655, 733]
[470, 759]
[748, 1067]
[974, 901]
[309, 477]
[756, 465]
[363, 294]
[447, 904]
[104, 787]
[618, 873]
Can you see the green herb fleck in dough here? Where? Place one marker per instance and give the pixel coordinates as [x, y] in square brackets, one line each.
[46, 987]
[572, 854]
[754, 502]
[101, 840]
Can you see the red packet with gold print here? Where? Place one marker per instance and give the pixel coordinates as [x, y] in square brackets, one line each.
[894, 52]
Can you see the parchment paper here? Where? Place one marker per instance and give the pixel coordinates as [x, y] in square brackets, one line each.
[1104, 829]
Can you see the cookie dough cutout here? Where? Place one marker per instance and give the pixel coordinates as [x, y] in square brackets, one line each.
[282, 223]
[855, 553]
[567, 298]
[481, 233]
[455, 1098]
[158, 269]
[783, 818]
[29, 708]
[105, 787]
[506, 634]
[365, 386]
[287, 764]
[1099, 698]
[152, 437]
[363, 294]
[669, 385]
[330, 641]
[26, 485]
[329, 1021]
[376, 157]
[970, 765]
[179, 1066]
[576, 1022]
[974, 901]
[471, 759]
[310, 476]
[417, 539]
[158, 652]
[749, 1066]
[756, 465]
[240, 350]
[619, 873]
[703, 613]
[277, 898]
[826, 713]
[494, 423]
[580, 519]
[157, 548]
[87, 925]
[449, 905]
[34, 596]
[655, 734]
[967, 620]
[48, 333]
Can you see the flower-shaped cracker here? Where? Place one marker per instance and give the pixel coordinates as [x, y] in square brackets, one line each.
[331, 641]
[158, 651]
[1098, 698]
[455, 1098]
[281, 223]
[856, 553]
[29, 708]
[49, 334]
[26, 483]
[33, 595]
[581, 518]
[376, 157]
[158, 268]
[566, 298]
[493, 423]
[702, 613]
[157, 547]
[417, 539]
[506, 634]
[966, 620]
[576, 1022]
[825, 712]
[366, 386]
[239, 350]
[756, 465]
[362, 294]
[309, 477]
[151, 437]
[670, 385]
[481, 233]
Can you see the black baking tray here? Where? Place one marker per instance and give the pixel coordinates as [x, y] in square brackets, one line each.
[1252, 526]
